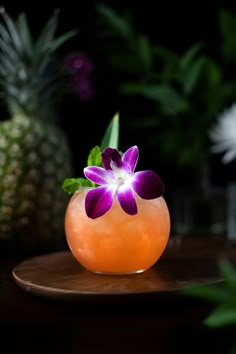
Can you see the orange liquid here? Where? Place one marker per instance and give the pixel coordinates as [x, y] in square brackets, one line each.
[117, 242]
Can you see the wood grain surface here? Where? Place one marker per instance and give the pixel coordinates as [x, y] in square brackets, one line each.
[58, 275]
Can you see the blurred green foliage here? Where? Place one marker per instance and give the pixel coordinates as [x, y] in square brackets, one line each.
[227, 27]
[223, 295]
[184, 91]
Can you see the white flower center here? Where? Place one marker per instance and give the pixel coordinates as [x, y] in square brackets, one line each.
[120, 180]
[121, 176]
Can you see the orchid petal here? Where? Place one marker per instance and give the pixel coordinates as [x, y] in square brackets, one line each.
[110, 155]
[98, 201]
[126, 199]
[97, 175]
[117, 178]
[130, 157]
[147, 184]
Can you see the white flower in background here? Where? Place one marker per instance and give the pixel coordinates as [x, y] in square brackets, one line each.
[223, 134]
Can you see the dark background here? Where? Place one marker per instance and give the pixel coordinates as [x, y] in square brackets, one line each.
[174, 24]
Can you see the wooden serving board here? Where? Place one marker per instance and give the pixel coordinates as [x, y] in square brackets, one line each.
[59, 276]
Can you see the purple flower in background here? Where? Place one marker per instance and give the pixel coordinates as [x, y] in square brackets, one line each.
[79, 63]
[81, 66]
[117, 178]
[83, 87]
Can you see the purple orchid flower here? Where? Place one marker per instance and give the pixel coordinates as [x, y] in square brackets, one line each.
[117, 178]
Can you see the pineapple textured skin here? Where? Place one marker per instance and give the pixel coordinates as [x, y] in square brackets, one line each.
[34, 160]
[35, 155]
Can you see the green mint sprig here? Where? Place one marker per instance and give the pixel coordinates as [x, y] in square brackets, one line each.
[110, 139]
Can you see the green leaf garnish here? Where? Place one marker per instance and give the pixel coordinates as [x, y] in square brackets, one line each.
[94, 158]
[110, 139]
[71, 185]
[111, 136]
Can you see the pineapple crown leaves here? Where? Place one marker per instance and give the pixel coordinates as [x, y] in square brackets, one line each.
[110, 139]
[28, 69]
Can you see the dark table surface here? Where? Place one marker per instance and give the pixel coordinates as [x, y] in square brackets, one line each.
[158, 322]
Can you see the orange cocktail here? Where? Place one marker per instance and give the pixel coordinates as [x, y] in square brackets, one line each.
[117, 242]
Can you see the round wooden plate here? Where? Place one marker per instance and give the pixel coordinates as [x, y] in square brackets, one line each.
[59, 276]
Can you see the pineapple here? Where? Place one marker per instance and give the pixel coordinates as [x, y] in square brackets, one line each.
[35, 156]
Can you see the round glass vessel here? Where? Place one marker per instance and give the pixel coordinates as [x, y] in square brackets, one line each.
[117, 243]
